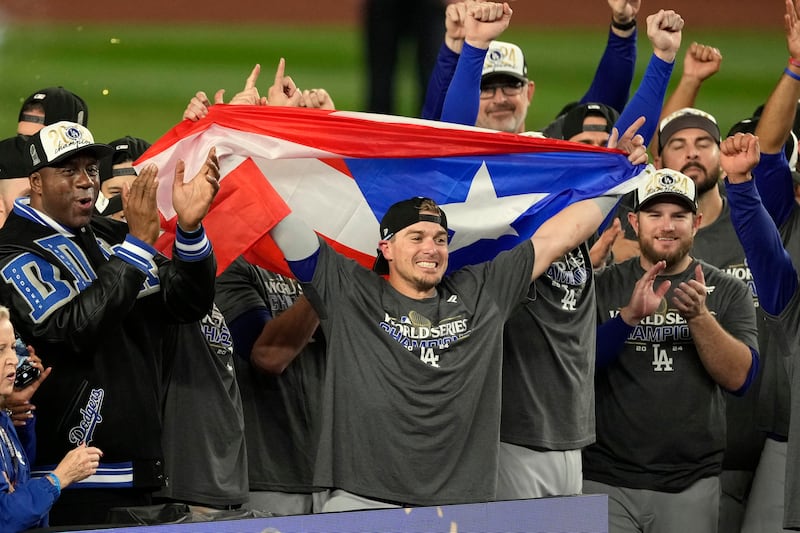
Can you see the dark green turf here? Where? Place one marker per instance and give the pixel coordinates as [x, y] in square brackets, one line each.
[137, 80]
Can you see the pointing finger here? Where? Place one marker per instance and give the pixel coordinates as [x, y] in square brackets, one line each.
[253, 77]
[279, 72]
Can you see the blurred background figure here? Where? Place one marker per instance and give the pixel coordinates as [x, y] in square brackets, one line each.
[390, 26]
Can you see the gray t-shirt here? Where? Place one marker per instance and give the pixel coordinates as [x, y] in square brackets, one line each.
[203, 435]
[411, 405]
[660, 415]
[548, 360]
[281, 412]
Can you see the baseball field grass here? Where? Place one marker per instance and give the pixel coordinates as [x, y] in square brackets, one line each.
[137, 79]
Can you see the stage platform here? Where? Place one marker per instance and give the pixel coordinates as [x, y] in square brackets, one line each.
[575, 514]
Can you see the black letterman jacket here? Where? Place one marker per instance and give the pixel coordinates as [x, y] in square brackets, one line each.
[94, 303]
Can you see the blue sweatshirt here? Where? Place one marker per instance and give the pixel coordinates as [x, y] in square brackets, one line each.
[611, 84]
[27, 506]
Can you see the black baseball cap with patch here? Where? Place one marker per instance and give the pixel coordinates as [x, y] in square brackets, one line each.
[401, 215]
[573, 122]
[13, 163]
[125, 149]
[58, 104]
[749, 125]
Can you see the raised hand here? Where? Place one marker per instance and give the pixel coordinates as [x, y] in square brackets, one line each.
[645, 299]
[624, 11]
[664, 29]
[701, 62]
[139, 205]
[283, 91]
[454, 17]
[791, 22]
[199, 104]
[690, 296]
[602, 247]
[485, 22]
[249, 95]
[317, 99]
[738, 155]
[192, 200]
[630, 142]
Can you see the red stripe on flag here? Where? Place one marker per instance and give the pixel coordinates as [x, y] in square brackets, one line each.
[244, 210]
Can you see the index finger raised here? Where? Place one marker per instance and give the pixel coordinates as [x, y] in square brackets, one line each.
[279, 72]
[253, 77]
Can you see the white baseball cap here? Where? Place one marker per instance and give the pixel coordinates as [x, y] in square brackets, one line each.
[505, 58]
[666, 184]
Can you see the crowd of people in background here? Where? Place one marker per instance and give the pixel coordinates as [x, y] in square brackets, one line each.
[649, 358]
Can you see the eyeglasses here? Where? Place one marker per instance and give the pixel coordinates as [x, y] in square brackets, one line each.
[488, 91]
[93, 171]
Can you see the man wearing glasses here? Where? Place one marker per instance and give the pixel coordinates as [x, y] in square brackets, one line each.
[506, 91]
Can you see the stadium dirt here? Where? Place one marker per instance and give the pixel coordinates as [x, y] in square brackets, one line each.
[708, 13]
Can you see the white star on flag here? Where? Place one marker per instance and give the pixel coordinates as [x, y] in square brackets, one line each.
[483, 215]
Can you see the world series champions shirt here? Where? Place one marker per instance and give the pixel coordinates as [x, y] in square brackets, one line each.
[660, 415]
[411, 401]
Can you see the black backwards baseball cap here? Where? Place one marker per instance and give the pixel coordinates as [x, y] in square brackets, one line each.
[688, 117]
[125, 149]
[13, 163]
[108, 206]
[749, 125]
[796, 124]
[58, 104]
[62, 140]
[505, 59]
[401, 215]
[667, 184]
[573, 124]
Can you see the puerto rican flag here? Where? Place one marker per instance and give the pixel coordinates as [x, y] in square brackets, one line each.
[340, 171]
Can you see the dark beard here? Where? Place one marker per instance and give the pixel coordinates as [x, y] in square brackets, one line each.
[707, 184]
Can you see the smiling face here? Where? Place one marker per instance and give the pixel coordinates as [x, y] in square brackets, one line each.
[417, 257]
[504, 104]
[67, 192]
[666, 232]
[8, 357]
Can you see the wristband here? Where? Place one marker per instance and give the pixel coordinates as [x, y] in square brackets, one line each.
[794, 62]
[56, 482]
[623, 26]
[791, 74]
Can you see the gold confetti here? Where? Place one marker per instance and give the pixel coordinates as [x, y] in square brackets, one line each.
[115, 40]
[105, 92]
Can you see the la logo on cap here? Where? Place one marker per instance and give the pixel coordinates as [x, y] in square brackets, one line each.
[502, 56]
[63, 137]
[668, 181]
